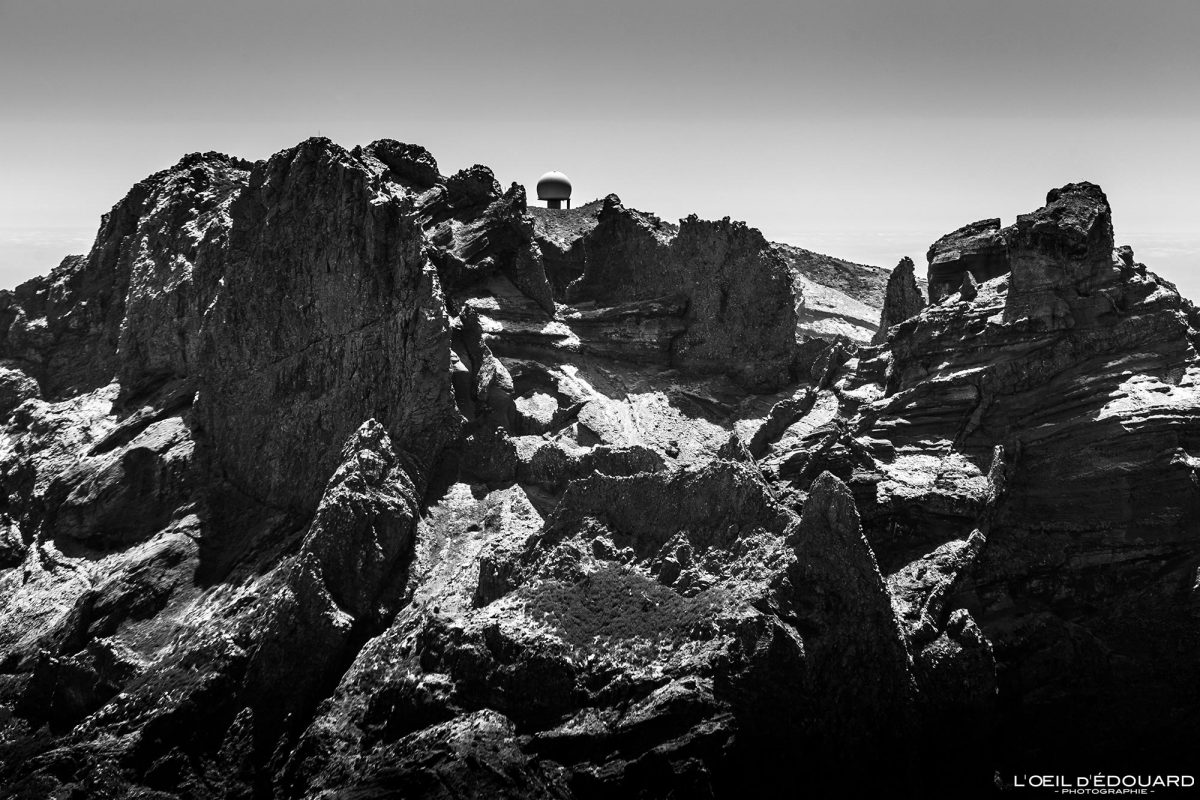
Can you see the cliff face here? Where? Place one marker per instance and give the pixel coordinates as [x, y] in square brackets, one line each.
[738, 311]
[331, 476]
[1082, 367]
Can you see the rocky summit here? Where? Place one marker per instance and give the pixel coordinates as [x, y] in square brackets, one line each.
[330, 476]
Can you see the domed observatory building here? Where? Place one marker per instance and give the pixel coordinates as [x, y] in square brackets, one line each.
[554, 187]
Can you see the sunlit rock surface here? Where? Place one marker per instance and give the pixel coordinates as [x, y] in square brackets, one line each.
[331, 476]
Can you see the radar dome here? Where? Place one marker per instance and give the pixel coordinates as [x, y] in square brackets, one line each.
[554, 186]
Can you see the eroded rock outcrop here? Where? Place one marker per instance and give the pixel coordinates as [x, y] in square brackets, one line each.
[332, 476]
[1082, 372]
[346, 584]
[738, 310]
[312, 299]
[980, 249]
[134, 303]
[903, 298]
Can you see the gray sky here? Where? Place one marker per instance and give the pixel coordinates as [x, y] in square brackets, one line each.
[860, 128]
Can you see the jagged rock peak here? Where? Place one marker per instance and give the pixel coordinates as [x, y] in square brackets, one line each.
[1073, 192]
[1074, 227]
[475, 185]
[409, 162]
[1075, 223]
[208, 160]
[190, 160]
[84, 323]
[517, 197]
[980, 248]
[335, 287]
[1125, 254]
[1065, 246]
[903, 298]
[612, 207]
[739, 299]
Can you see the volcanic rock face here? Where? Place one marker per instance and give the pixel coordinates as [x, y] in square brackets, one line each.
[978, 250]
[309, 301]
[1085, 375]
[903, 299]
[140, 291]
[329, 476]
[737, 312]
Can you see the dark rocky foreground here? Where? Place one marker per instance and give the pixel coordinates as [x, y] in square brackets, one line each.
[330, 476]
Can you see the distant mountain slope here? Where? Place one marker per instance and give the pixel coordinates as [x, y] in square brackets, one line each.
[863, 283]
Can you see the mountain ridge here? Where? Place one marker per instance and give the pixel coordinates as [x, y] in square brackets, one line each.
[328, 475]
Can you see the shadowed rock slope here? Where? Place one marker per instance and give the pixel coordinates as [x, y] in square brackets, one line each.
[329, 476]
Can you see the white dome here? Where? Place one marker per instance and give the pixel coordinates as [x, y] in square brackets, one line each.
[554, 186]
